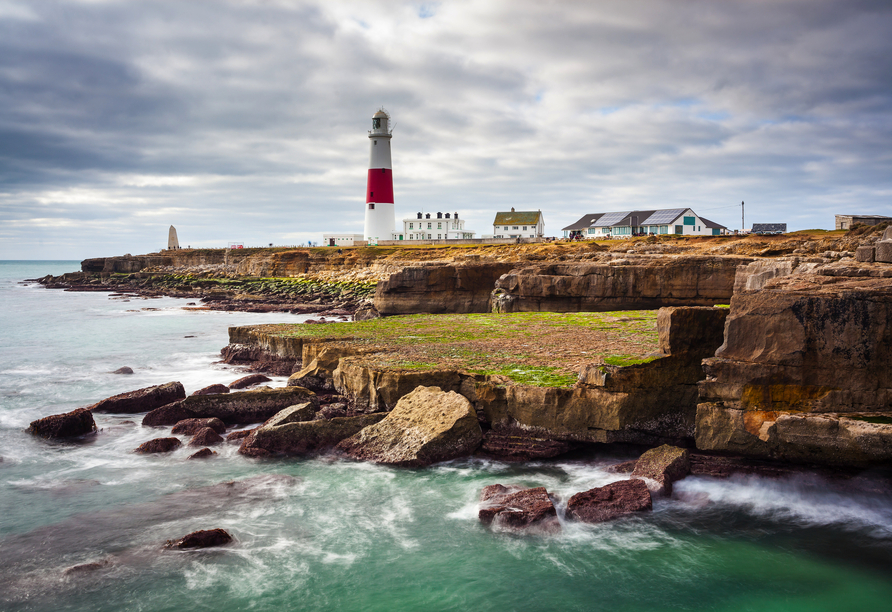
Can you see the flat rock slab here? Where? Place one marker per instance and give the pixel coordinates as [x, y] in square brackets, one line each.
[516, 508]
[201, 539]
[75, 423]
[609, 502]
[660, 467]
[158, 445]
[232, 408]
[426, 426]
[190, 427]
[212, 390]
[249, 381]
[141, 400]
[205, 437]
[302, 437]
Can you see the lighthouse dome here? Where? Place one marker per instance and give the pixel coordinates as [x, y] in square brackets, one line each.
[381, 122]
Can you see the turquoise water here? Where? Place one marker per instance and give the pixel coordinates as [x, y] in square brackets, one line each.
[329, 534]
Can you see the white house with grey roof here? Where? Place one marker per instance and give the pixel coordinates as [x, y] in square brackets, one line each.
[628, 223]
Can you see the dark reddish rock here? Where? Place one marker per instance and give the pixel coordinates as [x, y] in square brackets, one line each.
[75, 423]
[239, 435]
[249, 381]
[212, 390]
[332, 411]
[518, 508]
[159, 445]
[626, 467]
[258, 360]
[662, 466]
[124, 370]
[190, 427]
[206, 437]
[515, 444]
[610, 502]
[241, 407]
[302, 437]
[141, 400]
[202, 454]
[201, 539]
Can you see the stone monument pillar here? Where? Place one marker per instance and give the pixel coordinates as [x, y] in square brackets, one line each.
[172, 242]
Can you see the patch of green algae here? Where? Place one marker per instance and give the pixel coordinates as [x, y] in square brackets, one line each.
[533, 348]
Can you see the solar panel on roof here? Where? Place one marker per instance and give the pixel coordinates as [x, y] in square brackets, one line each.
[609, 219]
[664, 216]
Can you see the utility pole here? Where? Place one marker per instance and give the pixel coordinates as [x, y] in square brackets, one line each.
[742, 222]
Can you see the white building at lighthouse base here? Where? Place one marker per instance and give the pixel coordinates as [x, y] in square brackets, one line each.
[434, 226]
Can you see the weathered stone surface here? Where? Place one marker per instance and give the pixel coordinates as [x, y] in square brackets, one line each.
[201, 539]
[865, 253]
[883, 252]
[293, 414]
[158, 445]
[609, 502]
[660, 467]
[141, 400]
[235, 436]
[123, 370]
[303, 437]
[626, 467]
[190, 427]
[205, 437]
[439, 288]
[204, 453]
[753, 276]
[249, 381]
[212, 390]
[691, 331]
[258, 358]
[232, 408]
[516, 444]
[516, 508]
[426, 426]
[366, 312]
[320, 360]
[646, 283]
[75, 423]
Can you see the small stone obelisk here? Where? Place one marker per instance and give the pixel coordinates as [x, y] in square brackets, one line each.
[172, 242]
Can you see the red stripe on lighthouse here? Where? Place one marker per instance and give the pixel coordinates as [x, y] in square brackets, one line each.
[380, 186]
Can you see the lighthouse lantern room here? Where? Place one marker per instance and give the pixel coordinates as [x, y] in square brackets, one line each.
[379, 213]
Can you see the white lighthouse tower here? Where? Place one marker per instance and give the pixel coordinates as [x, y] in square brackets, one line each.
[380, 219]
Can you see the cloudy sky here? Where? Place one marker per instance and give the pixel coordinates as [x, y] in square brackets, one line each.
[247, 120]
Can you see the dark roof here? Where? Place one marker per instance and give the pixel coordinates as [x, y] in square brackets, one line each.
[769, 227]
[639, 217]
[583, 223]
[517, 218]
[712, 224]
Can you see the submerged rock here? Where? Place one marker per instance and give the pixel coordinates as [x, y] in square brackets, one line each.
[517, 508]
[205, 437]
[212, 390]
[158, 445]
[610, 502]
[660, 467]
[85, 568]
[201, 539]
[123, 370]
[141, 400]
[426, 426]
[190, 427]
[232, 408]
[302, 437]
[249, 381]
[75, 423]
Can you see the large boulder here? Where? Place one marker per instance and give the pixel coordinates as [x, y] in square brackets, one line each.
[141, 400]
[190, 427]
[660, 467]
[249, 381]
[293, 437]
[610, 502]
[75, 423]
[205, 437]
[158, 445]
[201, 539]
[426, 426]
[516, 508]
[241, 407]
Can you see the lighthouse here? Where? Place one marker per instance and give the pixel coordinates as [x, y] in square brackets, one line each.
[379, 214]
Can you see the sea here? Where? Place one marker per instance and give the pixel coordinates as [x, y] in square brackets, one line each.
[326, 533]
